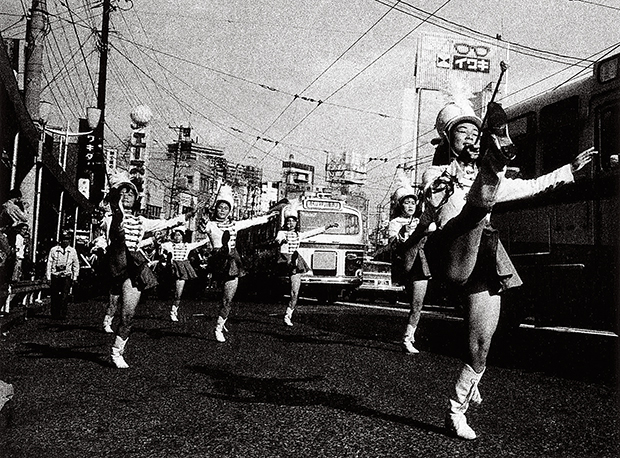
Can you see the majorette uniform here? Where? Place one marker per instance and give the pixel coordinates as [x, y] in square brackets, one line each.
[290, 262]
[182, 269]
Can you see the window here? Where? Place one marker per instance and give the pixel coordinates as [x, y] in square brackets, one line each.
[190, 181]
[153, 212]
[204, 182]
[523, 134]
[559, 133]
[609, 135]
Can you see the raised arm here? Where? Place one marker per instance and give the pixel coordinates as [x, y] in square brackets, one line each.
[245, 223]
[516, 189]
[194, 245]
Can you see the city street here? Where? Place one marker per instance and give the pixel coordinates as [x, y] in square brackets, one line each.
[337, 384]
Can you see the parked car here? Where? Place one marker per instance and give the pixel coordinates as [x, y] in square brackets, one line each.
[377, 283]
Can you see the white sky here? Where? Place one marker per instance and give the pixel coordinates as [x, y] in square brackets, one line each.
[215, 55]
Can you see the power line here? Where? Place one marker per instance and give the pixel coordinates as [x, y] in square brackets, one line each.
[321, 74]
[363, 70]
[489, 39]
[597, 4]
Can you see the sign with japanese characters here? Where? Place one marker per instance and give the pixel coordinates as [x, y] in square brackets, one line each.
[443, 58]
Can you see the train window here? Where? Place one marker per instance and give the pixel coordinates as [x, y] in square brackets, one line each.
[608, 69]
[523, 134]
[609, 135]
[559, 133]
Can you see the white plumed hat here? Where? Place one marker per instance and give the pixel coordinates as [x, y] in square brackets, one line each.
[290, 211]
[225, 194]
[403, 190]
[120, 179]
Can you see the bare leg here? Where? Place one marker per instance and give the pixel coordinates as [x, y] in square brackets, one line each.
[418, 293]
[178, 292]
[483, 317]
[295, 285]
[131, 298]
[113, 301]
[230, 288]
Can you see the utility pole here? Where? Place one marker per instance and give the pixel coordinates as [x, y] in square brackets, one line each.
[35, 36]
[183, 132]
[98, 177]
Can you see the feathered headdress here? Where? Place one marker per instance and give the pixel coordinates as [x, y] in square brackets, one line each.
[291, 210]
[458, 108]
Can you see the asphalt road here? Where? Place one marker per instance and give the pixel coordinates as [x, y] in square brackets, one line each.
[335, 385]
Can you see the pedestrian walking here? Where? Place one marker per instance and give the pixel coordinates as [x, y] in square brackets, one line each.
[129, 270]
[63, 269]
[224, 262]
[404, 220]
[290, 263]
[178, 252]
[465, 250]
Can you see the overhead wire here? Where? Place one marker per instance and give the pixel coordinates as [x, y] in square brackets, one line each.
[603, 52]
[472, 33]
[363, 70]
[296, 96]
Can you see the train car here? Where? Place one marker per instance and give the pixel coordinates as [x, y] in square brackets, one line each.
[335, 256]
[565, 243]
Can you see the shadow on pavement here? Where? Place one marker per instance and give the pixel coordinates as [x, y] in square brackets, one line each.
[44, 351]
[282, 392]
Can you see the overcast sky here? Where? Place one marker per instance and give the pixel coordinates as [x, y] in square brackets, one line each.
[231, 68]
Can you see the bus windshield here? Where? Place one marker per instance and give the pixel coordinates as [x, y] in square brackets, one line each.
[348, 223]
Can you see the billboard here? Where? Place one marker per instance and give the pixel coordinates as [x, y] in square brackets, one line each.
[442, 58]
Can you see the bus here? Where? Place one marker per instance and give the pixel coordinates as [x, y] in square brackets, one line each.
[565, 243]
[335, 256]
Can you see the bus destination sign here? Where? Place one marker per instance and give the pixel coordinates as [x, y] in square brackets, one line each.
[313, 204]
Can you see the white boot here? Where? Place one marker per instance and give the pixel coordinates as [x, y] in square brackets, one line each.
[174, 313]
[117, 353]
[408, 340]
[219, 329]
[107, 324]
[465, 391]
[289, 316]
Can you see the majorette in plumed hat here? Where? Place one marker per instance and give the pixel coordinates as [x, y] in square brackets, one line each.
[403, 190]
[119, 179]
[290, 211]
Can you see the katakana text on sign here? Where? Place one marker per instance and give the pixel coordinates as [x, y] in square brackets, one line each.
[471, 64]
